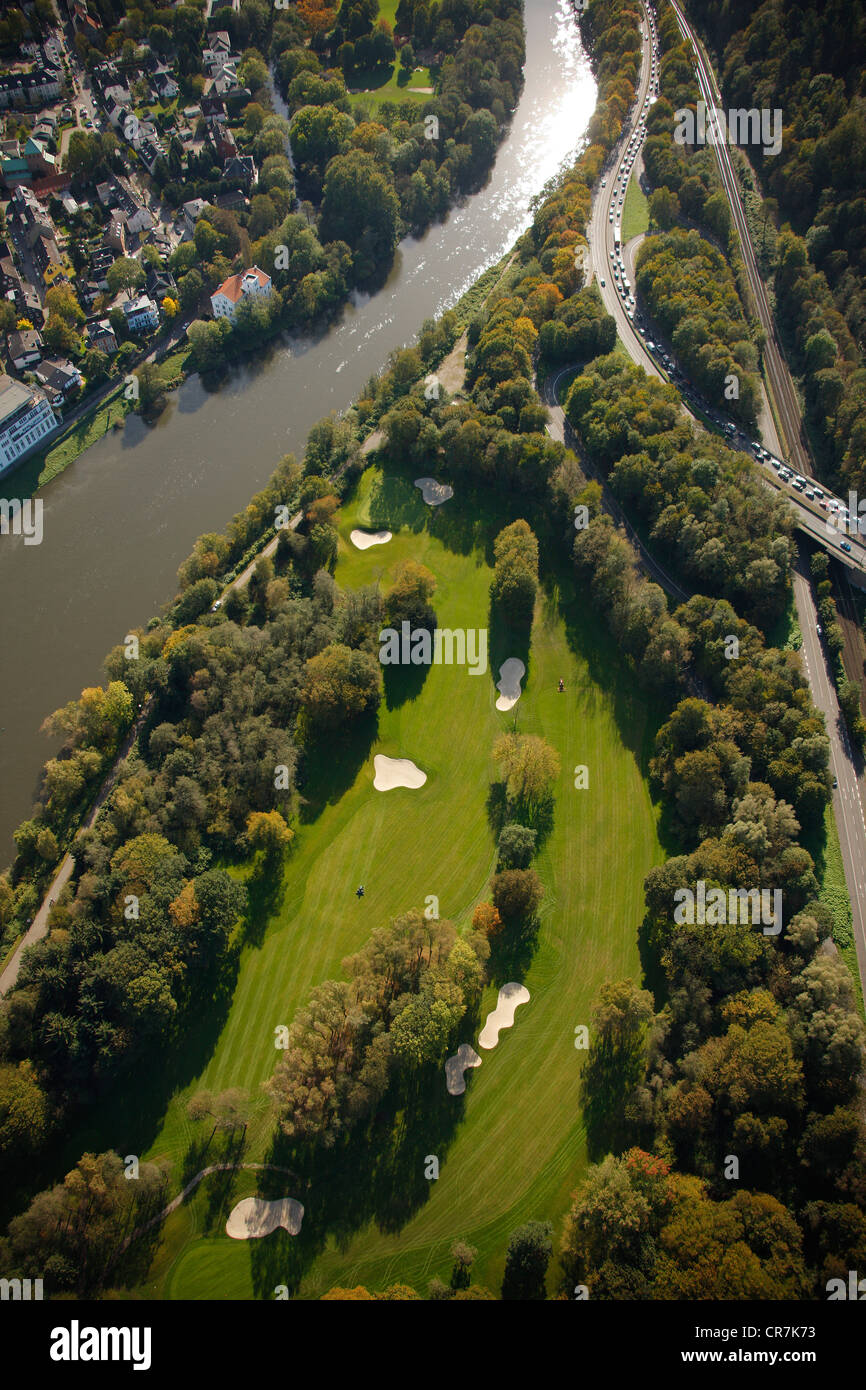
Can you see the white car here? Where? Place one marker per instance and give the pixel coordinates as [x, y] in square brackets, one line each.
[604, 183]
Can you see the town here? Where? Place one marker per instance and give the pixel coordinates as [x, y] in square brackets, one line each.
[107, 135]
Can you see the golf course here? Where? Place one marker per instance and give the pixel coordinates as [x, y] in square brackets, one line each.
[512, 1148]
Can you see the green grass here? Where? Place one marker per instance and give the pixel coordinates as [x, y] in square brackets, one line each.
[514, 1148]
[834, 892]
[635, 212]
[786, 632]
[372, 88]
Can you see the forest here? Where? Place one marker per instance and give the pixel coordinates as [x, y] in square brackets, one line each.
[810, 64]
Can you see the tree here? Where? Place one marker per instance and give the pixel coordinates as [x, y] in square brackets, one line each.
[339, 685]
[517, 895]
[529, 1250]
[267, 830]
[529, 767]
[515, 577]
[516, 846]
[463, 1256]
[125, 274]
[360, 207]
[486, 919]
[408, 600]
[407, 57]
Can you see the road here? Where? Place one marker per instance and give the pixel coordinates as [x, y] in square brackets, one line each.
[845, 764]
[39, 926]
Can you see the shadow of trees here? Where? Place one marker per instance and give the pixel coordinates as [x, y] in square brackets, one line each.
[331, 762]
[610, 1076]
[373, 1174]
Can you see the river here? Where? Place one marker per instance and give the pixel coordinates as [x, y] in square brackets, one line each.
[120, 520]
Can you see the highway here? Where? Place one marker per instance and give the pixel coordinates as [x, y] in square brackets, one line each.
[845, 763]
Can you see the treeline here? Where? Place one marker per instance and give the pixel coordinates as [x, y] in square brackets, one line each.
[409, 988]
[705, 506]
[810, 65]
[690, 292]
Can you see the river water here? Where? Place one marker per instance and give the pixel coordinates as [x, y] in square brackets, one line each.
[120, 520]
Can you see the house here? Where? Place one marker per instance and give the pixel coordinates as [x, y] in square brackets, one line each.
[29, 90]
[219, 41]
[212, 104]
[32, 216]
[241, 169]
[225, 300]
[29, 306]
[25, 418]
[25, 348]
[114, 235]
[101, 335]
[235, 200]
[138, 218]
[166, 87]
[150, 152]
[192, 211]
[59, 379]
[107, 194]
[161, 283]
[141, 314]
[221, 139]
[115, 95]
[101, 262]
[51, 262]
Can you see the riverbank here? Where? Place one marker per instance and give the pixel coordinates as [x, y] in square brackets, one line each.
[118, 527]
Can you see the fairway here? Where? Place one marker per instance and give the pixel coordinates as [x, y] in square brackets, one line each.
[515, 1149]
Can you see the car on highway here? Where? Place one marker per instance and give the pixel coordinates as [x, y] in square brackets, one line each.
[845, 546]
[604, 183]
[601, 281]
[835, 783]
[819, 630]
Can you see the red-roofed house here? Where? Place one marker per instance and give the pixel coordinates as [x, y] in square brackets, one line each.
[225, 300]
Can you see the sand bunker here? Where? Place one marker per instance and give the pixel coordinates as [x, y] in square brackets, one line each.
[511, 673]
[510, 996]
[455, 1066]
[396, 772]
[362, 540]
[255, 1217]
[434, 493]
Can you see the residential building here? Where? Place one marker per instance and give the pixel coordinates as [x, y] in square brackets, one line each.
[114, 235]
[192, 211]
[52, 263]
[100, 334]
[25, 419]
[59, 379]
[25, 348]
[161, 283]
[241, 169]
[141, 314]
[253, 282]
[29, 90]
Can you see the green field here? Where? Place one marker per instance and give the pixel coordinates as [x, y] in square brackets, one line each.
[514, 1147]
[635, 212]
[375, 87]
